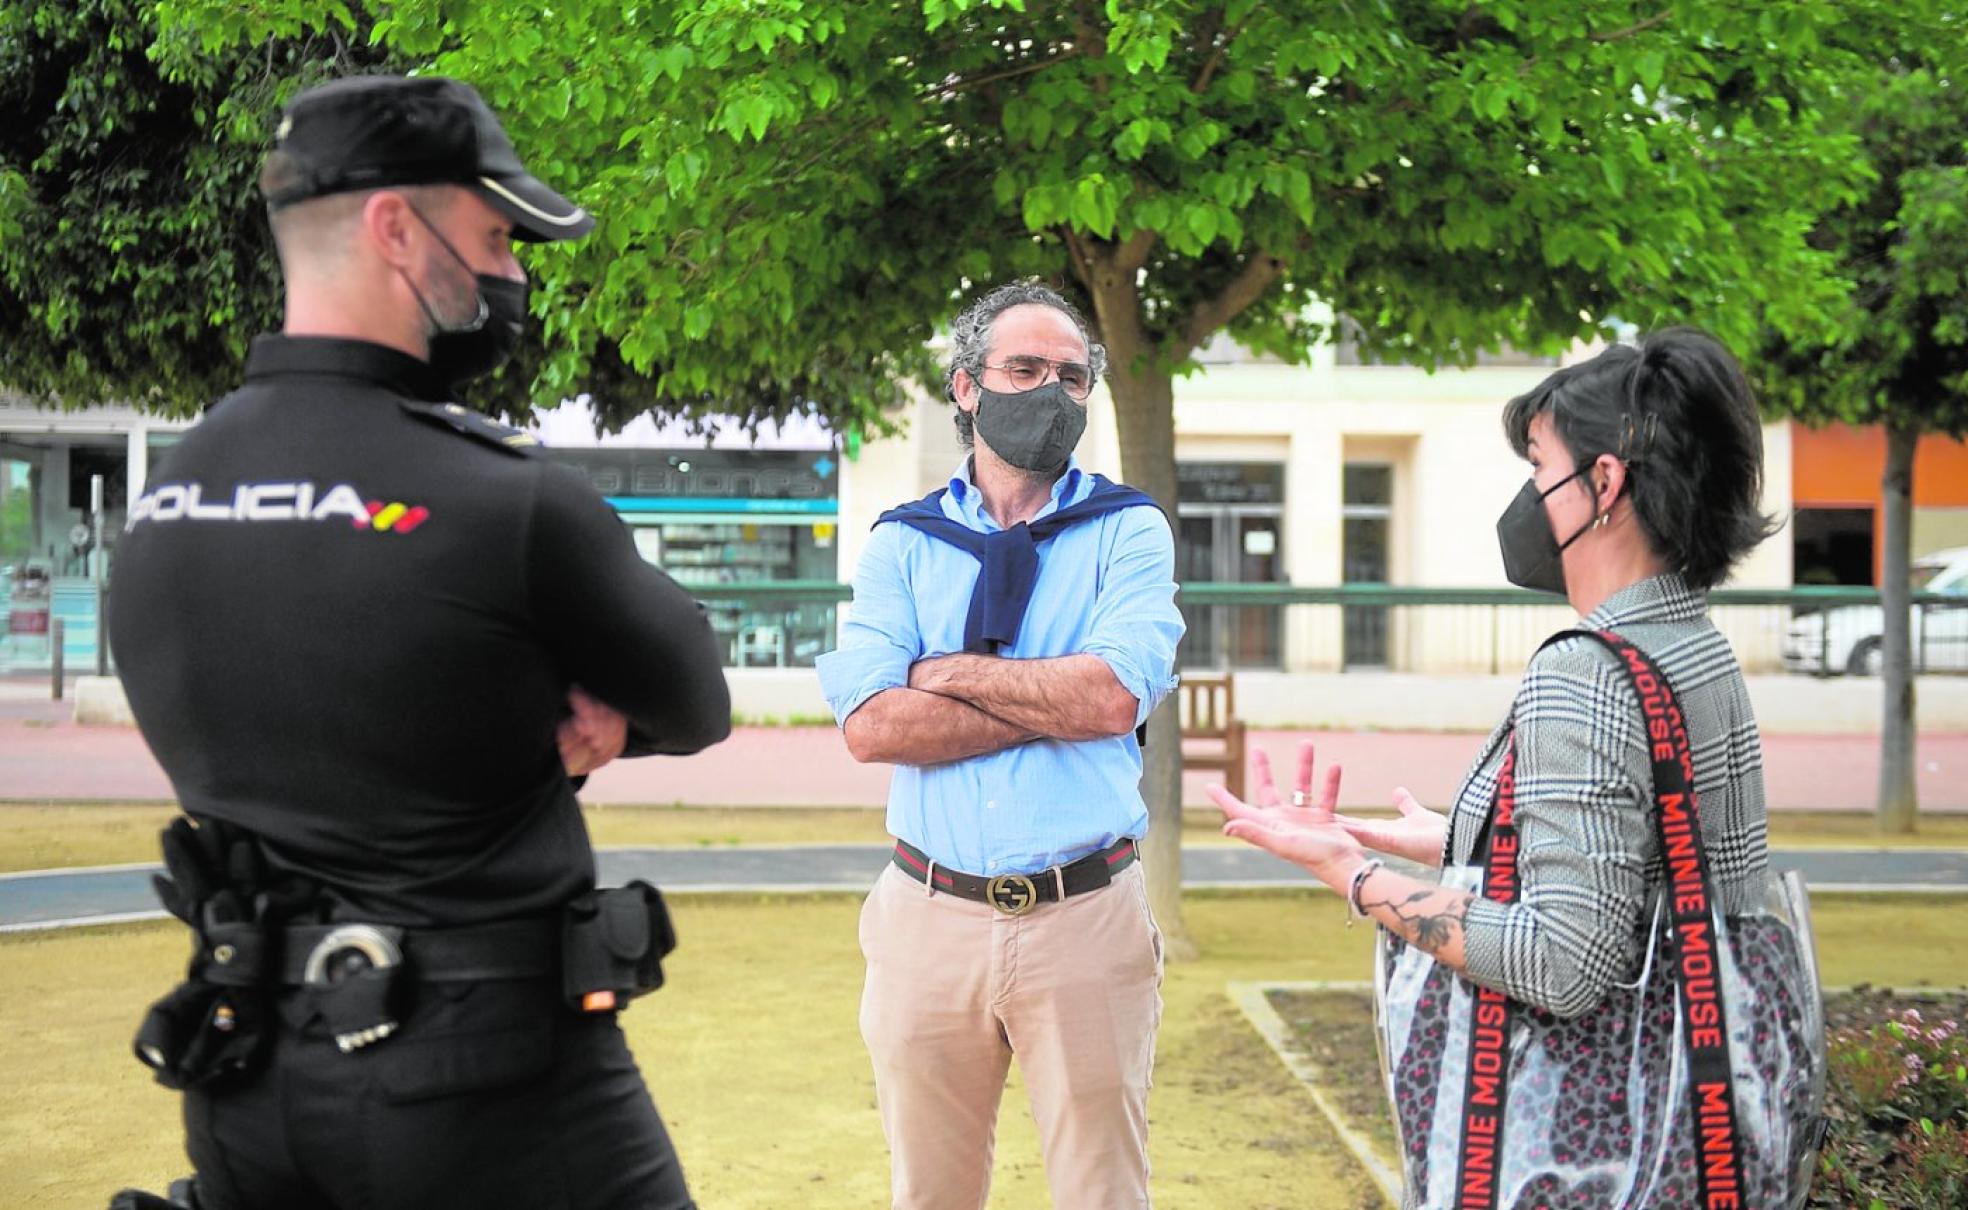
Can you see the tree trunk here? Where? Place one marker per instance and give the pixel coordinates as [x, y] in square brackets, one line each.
[1144, 413]
[1898, 799]
[1144, 407]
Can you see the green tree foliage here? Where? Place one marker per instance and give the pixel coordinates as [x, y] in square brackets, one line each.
[135, 263]
[794, 194]
[1898, 354]
[1898, 351]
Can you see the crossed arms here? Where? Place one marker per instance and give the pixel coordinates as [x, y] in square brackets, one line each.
[898, 705]
[959, 706]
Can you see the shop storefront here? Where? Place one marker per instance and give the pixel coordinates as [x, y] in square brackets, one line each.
[57, 536]
[716, 515]
[725, 515]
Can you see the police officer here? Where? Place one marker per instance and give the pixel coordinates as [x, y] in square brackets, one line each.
[374, 638]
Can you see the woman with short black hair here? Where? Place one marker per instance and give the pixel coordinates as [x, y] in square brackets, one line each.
[1678, 405]
[1646, 480]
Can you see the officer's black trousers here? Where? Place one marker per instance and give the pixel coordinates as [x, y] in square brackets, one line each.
[491, 1095]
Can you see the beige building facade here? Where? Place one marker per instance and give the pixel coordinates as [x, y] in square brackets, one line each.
[1326, 474]
[1312, 475]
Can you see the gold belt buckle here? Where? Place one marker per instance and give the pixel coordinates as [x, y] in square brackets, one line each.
[1012, 894]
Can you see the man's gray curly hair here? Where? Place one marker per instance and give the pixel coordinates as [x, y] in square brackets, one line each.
[970, 337]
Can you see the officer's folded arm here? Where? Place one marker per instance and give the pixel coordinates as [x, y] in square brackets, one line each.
[622, 629]
[592, 734]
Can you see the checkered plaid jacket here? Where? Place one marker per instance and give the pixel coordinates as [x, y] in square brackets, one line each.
[1589, 857]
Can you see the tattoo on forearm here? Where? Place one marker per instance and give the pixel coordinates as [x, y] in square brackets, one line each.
[1431, 926]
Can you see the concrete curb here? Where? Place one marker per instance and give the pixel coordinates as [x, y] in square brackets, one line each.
[100, 701]
[1252, 999]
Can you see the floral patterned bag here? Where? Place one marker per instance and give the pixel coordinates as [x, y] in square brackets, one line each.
[1700, 1084]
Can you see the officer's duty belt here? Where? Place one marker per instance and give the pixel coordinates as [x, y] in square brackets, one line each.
[510, 949]
[1016, 894]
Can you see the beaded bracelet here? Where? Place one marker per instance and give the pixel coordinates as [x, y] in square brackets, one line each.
[1353, 909]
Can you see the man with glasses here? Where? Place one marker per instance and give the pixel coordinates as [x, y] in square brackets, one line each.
[1009, 635]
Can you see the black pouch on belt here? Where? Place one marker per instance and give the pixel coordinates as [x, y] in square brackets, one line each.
[613, 943]
[199, 1033]
[212, 1024]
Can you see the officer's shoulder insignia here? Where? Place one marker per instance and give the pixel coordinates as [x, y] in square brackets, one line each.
[476, 425]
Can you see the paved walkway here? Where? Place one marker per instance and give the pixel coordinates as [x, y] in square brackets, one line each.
[43, 757]
[46, 757]
[62, 898]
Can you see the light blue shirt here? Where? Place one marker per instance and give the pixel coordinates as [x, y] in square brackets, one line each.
[1106, 587]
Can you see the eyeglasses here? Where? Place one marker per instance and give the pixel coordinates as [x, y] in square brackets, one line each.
[1026, 373]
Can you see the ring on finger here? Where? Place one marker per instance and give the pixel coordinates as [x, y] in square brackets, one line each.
[1301, 797]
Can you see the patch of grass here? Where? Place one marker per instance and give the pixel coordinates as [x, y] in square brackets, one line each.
[39, 836]
[628, 827]
[795, 719]
[1858, 829]
[48, 836]
[754, 1055]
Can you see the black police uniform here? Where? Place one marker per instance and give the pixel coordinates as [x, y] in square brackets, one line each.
[347, 614]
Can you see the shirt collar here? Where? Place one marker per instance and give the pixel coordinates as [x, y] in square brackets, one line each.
[969, 502]
[1662, 598]
[277, 354]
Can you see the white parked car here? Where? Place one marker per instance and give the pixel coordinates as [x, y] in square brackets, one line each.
[1845, 638]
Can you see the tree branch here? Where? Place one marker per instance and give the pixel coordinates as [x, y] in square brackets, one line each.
[1215, 59]
[1087, 33]
[1639, 27]
[1212, 25]
[1618, 35]
[1124, 261]
[969, 82]
[1244, 289]
[1080, 255]
[1133, 254]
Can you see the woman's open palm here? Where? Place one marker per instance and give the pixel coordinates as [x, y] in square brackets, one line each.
[1416, 834]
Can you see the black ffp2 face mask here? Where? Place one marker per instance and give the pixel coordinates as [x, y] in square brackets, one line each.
[1033, 430]
[462, 352]
[1532, 555]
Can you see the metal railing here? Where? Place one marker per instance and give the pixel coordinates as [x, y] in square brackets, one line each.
[1494, 630]
[1402, 628]
[773, 623]
[787, 623]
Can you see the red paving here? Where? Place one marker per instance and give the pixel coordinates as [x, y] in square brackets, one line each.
[45, 758]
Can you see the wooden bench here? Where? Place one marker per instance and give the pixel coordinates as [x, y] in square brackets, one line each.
[1212, 735]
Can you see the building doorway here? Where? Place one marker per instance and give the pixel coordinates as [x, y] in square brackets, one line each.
[1831, 546]
[1366, 518]
[1230, 530]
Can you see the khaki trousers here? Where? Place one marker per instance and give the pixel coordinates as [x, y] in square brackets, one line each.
[956, 988]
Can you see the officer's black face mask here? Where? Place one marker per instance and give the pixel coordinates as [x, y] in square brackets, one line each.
[481, 344]
[1531, 553]
[1033, 430]
[459, 356]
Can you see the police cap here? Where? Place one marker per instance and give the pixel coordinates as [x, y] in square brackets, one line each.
[369, 132]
